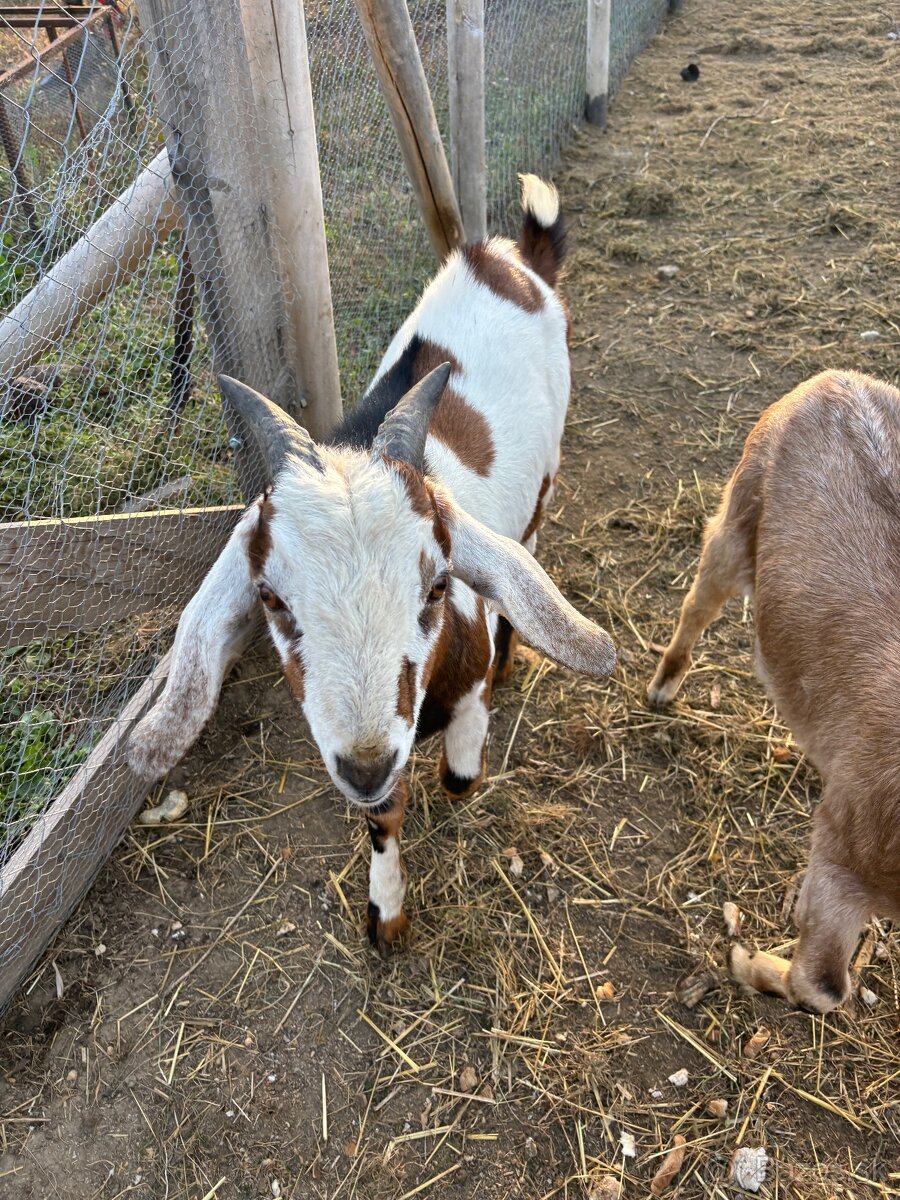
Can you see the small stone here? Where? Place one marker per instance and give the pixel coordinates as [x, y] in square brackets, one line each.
[869, 335]
[626, 1142]
[666, 271]
[71, 1076]
[715, 696]
[731, 915]
[680, 1078]
[100, 949]
[530, 1148]
[276, 1189]
[284, 928]
[867, 997]
[516, 866]
[782, 754]
[655, 1094]
[691, 990]
[757, 1043]
[718, 1109]
[606, 991]
[748, 1167]
[468, 1079]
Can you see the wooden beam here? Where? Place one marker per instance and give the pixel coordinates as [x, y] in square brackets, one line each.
[279, 67]
[86, 573]
[465, 62]
[38, 58]
[112, 248]
[596, 99]
[54, 866]
[395, 54]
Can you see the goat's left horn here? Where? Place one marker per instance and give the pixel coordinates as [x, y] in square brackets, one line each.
[277, 434]
[403, 431]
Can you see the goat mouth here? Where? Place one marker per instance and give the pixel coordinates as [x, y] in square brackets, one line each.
[377, 802]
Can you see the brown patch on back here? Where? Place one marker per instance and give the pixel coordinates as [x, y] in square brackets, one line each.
[406, 691]
[260, 541]
[538, 514]
[503, 277]
[460, 427]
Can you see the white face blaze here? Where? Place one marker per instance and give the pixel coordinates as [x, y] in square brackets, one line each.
[345, 561]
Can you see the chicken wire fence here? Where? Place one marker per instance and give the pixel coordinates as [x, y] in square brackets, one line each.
[117, 413]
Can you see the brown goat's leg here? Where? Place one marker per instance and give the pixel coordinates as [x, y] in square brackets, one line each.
[505, 644]
[832, 909]
[387, 877]
[718, 578]
[463, 760]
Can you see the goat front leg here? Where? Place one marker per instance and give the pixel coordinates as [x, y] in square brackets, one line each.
[833, 907]
[463, 759]
[387, 878]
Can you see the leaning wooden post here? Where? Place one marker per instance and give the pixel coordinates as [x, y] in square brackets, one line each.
[392, 43]
[279, 66]
[465, 62]
[597, 91]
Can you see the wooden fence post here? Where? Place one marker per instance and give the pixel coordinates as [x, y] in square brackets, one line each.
[392, 44]
[279, 67]
[200, 72]
[597, 91]
[465, 62]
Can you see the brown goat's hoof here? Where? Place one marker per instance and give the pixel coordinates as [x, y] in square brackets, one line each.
[456, 786]
[384, 935]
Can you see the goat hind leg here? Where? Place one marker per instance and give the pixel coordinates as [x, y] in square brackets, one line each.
[723, 566]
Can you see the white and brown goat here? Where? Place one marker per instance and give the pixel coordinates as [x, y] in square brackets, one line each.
[389, 560]
[810, 526]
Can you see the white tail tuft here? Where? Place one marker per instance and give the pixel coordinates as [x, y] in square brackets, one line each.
[540, 199]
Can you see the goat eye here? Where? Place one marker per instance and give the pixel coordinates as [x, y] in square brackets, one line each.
[438, 588]
[269, 599]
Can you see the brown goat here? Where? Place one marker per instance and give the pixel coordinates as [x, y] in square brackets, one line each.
[810, 526]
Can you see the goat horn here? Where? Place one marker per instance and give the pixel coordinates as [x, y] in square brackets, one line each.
[277, 434]
[403, 431]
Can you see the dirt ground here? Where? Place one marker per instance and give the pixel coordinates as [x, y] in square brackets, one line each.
[223, 1029]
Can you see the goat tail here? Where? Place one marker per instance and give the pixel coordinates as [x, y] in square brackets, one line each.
[542, 242]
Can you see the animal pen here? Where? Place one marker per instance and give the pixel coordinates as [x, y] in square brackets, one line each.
[193, 186]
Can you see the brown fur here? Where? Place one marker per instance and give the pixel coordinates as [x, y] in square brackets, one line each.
[461, 657]
[503, 277]
[460, 427]
[811, 522]
[385, 934]
[293, 673]
[406, 691]
[260, 541]
[538, 515]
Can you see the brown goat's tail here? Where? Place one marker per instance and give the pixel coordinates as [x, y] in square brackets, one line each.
[542, 242]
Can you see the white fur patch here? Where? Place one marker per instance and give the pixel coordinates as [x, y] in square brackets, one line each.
[541, 199]
[387, 886]
[464, 736]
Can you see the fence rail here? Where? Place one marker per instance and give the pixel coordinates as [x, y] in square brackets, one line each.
[296, 171]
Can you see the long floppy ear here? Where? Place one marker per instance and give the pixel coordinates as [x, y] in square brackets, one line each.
[212, 632]
[505, 573]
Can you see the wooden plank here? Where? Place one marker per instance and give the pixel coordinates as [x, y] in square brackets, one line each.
[38, 58]
[112, 248]
[597, 88]
[89, 572]
[279, 67]
[465, 62]
[200, 73]
[395, 54]
[56, 863]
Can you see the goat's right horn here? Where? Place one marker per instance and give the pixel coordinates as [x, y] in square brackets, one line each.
[404, 429]
[277, 434]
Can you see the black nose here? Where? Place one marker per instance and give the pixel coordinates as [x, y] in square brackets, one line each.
[366, 775]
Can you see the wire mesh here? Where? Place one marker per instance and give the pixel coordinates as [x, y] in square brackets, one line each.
[632, 24]
[117, 411]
